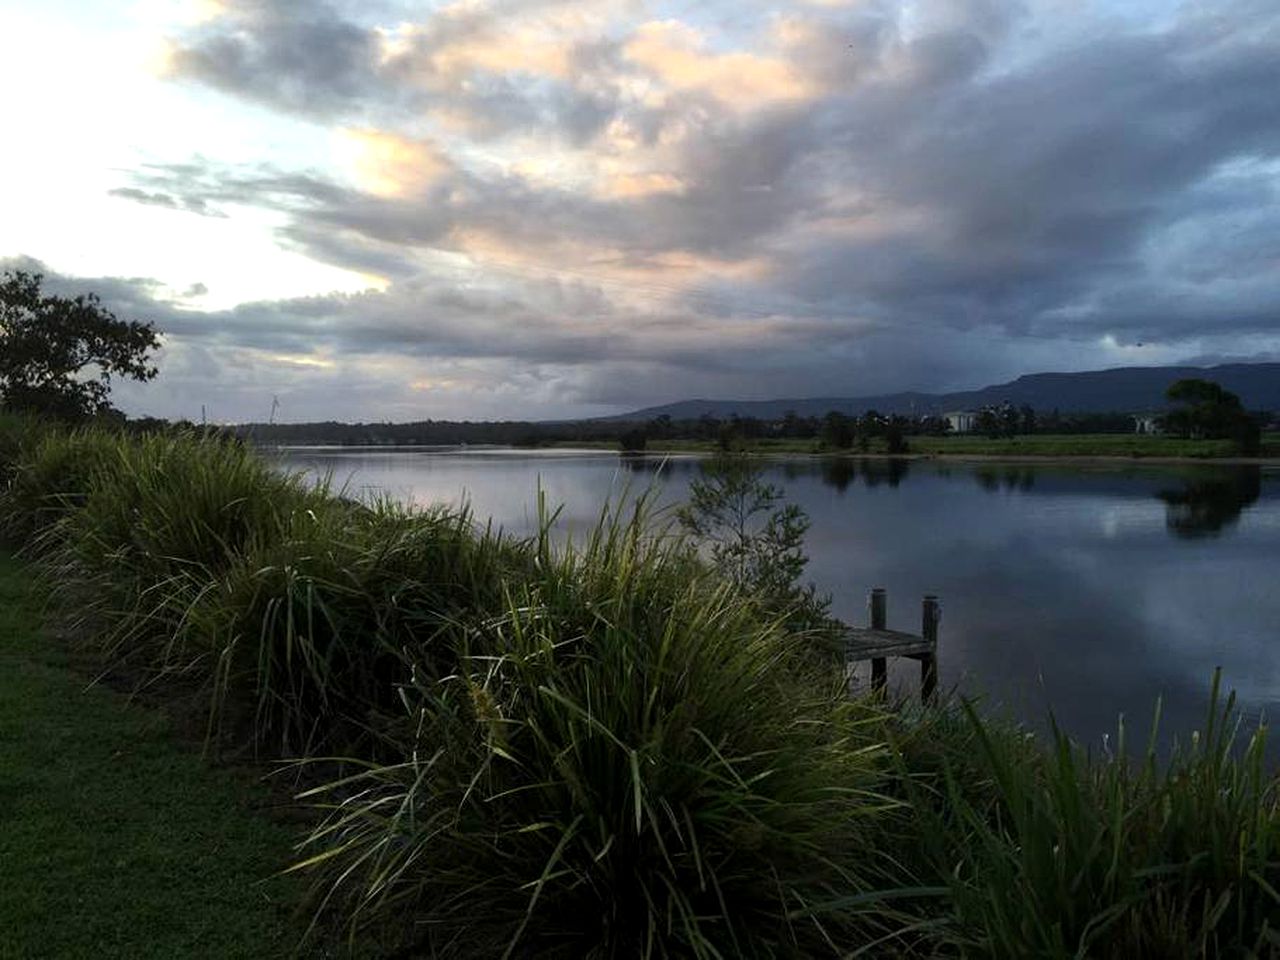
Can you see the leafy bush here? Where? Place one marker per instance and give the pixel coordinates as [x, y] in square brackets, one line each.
[160, 518]
[19, 433]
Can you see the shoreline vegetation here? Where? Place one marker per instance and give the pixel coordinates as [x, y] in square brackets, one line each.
[509, 748]
[1201, 421]
[1088, 448]
[1034, 447]
[1119, 448]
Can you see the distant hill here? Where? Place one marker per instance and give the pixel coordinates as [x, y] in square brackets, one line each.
[1123, 389]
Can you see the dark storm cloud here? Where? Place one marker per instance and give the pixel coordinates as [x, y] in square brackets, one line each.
[298, 55]
[1046, 185]
[417, 319]
[131, 295]
[532, 359]
[192, 204]
[201, 185]
[984, 196]
[308, 57]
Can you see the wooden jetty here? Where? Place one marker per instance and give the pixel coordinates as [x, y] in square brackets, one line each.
[877, 643]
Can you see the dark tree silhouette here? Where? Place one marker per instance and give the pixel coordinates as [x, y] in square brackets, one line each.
[58, 354]
[633, 441]
[1208, 411]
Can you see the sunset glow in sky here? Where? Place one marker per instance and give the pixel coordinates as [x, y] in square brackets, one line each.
[545, 208]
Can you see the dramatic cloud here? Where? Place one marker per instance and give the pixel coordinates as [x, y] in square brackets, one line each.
[570, 207]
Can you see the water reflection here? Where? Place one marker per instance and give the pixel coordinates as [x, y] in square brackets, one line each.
[640, 463]
[1090, 591]
[1009, 477]
[651, 465]
[840, 473]
[1207, 504]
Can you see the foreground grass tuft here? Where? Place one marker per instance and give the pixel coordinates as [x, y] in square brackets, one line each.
[620, 764]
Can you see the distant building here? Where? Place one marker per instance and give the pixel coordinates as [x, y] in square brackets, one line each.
[1146, 423]
[961, 421]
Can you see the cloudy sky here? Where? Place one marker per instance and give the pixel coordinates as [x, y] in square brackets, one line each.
[542, 208]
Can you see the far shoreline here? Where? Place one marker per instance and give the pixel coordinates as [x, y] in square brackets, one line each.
[1083, 459]
[1023, 458]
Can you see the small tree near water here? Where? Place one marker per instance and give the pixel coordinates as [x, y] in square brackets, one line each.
[755, 538]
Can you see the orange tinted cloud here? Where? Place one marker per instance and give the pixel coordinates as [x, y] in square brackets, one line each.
[628, 186]
[676, 54]
[483, 43]
[391, 165]
[658, 276]
[521, 53]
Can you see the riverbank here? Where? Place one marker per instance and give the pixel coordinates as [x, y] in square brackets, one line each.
[568, 751]
[1091, 448]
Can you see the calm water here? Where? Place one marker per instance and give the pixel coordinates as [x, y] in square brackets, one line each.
[1086, 590]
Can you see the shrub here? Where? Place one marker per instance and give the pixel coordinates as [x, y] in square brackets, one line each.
[754, 539]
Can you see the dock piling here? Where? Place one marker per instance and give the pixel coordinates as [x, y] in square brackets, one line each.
[878, 643]
[931, 614]
[879, 603]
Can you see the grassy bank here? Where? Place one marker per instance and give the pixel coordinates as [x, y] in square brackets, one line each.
[604, 751]
[1083, 445]
[115, 839]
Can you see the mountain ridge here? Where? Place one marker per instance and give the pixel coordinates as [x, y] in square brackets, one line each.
[1117, 389]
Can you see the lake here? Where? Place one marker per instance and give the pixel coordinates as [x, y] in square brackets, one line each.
[1088, 590]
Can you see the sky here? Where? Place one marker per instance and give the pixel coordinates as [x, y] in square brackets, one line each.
[535, 209]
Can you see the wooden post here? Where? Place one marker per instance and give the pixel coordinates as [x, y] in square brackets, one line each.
[879, 603]
[931, 613]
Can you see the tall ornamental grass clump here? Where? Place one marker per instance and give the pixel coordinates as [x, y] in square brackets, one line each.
[162, 518]
[624, 762]
[50, 479]
[315, 630]
[1057, 853]
[19, 433]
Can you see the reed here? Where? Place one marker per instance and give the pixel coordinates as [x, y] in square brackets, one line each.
[1051, 851]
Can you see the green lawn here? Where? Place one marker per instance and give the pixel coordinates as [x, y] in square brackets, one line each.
[1074, 445]
[116, 840]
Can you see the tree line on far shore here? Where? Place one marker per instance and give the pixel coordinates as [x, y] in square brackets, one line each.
[1204, 413]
